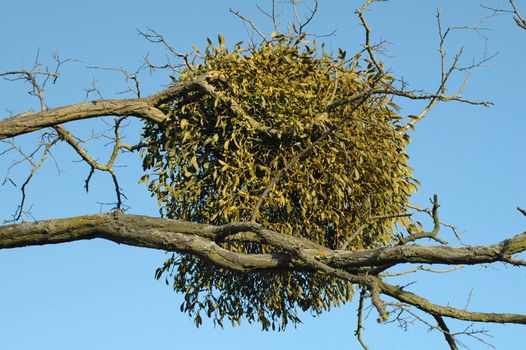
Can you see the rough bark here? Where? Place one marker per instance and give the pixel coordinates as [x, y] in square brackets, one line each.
[144, 108]
[290, 252]
[32, 121]
[202, 239]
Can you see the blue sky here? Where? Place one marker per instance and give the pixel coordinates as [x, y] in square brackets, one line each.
[97, 294]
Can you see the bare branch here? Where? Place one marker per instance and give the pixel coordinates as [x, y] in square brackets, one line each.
[156, 38]
[438, 97]
[36, 166]
[519, 20]
[250, 23]
[359, 326]
[367, 44]
[303, 23]
[518, 17]
[428, 211]
[132, 79]
[429, 234]
[451, 338]
[145, 108]
[420, 268]
[446, 73]
[26, 73]
[445, 331]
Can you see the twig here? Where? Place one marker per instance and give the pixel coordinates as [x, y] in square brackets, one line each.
[453, 228]
[156, 38]
[518, 18]
[359, 325]
[35, 167]
[367, 45]
[427, 234]
[301, 24]
[132, 79]
[250, 23]
[420, 268]
[439, 95]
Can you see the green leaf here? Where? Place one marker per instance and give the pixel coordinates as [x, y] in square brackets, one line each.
[193, 162]
[144, 178]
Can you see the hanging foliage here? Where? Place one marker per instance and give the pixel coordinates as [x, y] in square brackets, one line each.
[222, 147]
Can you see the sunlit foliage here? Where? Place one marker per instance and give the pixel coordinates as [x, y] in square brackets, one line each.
[221, 147]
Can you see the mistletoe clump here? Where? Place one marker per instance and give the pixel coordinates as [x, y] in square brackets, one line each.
[288, 136]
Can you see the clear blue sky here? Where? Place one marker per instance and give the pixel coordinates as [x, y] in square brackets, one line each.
[96, 294]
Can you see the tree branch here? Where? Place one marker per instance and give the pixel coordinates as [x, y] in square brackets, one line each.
[288, 253]
[145, 108]
[31, 121]
[157, 233]
[359, 326]
[447, 333]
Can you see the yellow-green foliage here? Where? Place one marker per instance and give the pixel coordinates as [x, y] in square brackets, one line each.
[208, 163]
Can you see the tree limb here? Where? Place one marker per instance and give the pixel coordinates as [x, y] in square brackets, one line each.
[289, 252]
[144, 108]
[31, 121]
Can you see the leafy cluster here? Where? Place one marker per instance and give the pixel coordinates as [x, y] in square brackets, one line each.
[222, 146]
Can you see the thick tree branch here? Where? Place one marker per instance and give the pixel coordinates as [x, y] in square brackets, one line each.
[448, 311]
[164, 234]
[145, 108]
[31, 121]
[139, 231]
[289, 252]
